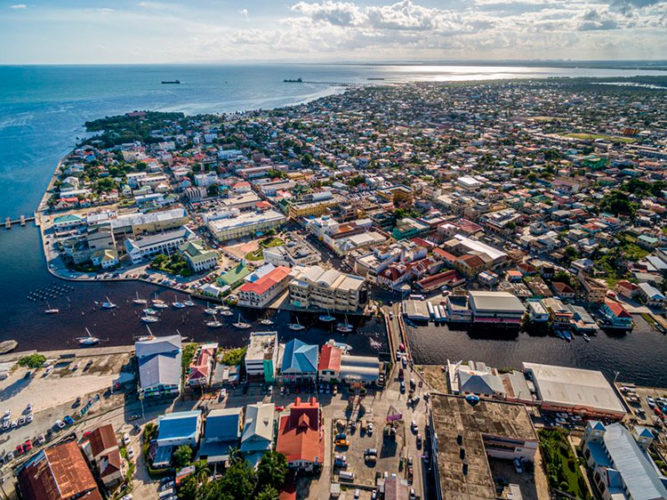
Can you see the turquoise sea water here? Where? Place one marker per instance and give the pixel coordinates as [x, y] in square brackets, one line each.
[42, 111]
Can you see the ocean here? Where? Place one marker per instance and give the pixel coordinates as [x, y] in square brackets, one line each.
[42, 112]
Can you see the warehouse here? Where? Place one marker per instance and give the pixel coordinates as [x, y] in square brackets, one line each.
[500, 308]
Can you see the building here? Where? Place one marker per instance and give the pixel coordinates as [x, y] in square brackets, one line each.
[466, 433]
[295, 252]
[159, 361]
[176, 429]
[330, 290]
[101, 448]
[201, 368]
[615, 316]
[137, 224]
[258, 431]
[260, 293]
[300, 361]
[301, 435]
[651, 296]
[363, 370]
[144, 247]
[620, 462]
[261, 358]
[407, 227]
[222, 432]
[574, 390]
[328, 367]
[59, 472]
[245, 224]
[499, 308]
[197, 256]
[537, 312]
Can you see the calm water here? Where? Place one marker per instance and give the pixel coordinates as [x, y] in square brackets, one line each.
[42, 111]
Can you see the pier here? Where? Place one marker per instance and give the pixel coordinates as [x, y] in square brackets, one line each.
[9, 222]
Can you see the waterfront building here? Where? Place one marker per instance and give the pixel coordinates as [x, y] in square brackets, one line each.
[574, 390]
[200, 370]
[651, 296]
[245, 224]
[260, 293]
[234, 276]
[300, 361]
[301, 435]
[537, 312]
[615, 316]
[501, 308]
[295, 252]
[159, 361]
[458, 307]
[145, 247]
[621, 465]
[138, 223]
[328, 367]
[197, 256]
[314, 287]
[261, 357]
[363, 370]
[258, 432]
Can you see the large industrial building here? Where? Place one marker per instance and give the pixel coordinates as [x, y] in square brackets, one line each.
[501, 308]
[466, 434]
[574, 390]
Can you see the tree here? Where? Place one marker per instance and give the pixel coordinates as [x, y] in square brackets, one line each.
[212, 189]
[238, 482]
[570, 254]
[272, 470]
[182, 456]
[268, 493]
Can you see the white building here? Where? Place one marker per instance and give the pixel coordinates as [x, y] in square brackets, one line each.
[261, 358]
[262, 292]
[331, 290]
[245, 224]
[145, 247]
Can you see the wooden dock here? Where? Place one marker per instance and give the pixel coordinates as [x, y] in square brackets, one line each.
[9, 222]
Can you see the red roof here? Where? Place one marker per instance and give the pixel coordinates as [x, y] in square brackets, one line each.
[617, 309]
[561, 287]
[263, 284]
[330, 358]
[471, 261]
[300, 435]
[444, 255]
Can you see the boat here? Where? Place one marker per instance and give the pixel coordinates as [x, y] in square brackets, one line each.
[149, 311]
[88, 340]
[431, 311]
[210, 310]
[214, 323]
[171, 82]
[150, 319]
[586, 338]
[177, 303]
[297, 327]
[242, 325]
[326, 318]
[108, 304]
[189, 302]
[8, 346]
[150, 335]
[51, 310]
[344, 327]
[159, 304]
[139, 301]
[266, 322]
[567, 335]
[291, 80]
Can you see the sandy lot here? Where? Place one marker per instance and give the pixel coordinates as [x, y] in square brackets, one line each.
[434, 377]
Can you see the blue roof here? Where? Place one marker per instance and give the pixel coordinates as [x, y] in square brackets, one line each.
[299, 357]
[223, 425]
[178, 425]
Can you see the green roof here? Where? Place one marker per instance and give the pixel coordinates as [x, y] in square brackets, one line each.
[234, 275]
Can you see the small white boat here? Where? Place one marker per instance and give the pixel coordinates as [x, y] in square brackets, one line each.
[344, 327]
[266, 322]
[586, 338]
[150, 335]
[210, 310]
[222, 308]
[159, 304]
[225, 311]
[177, 303]
[297, 327]
[241, 325]
[189, 302]
[149, 311]
[150, 319]
[326, 318]
[139, 301]
[51, 310]
[88, 340]
[214, 323]
[108, 304]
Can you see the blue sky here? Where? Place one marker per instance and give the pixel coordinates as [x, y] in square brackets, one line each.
[121, 31]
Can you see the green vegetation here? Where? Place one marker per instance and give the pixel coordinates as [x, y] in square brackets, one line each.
[189, 352]
[563, 470]
[174, 264]
[233, 357]
[268, 242]
[276, 174]
[618, 203]
[32, 360]
[116, 130]
[182, 456]
[592, 137]
[641, 188]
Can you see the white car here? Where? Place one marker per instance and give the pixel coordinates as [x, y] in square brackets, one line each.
[126, 439]
[60, 424]
[28, 418]
[130, 453]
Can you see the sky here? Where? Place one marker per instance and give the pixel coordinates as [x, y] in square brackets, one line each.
[122, 31]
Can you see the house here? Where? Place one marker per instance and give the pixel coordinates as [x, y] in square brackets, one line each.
[563, 290]
[261, 358]
[626, 289]
[615, 316]
[328, 289]
[176, 429]
[621, 465]
[469, 264]
[651, 296]
[263, 291]
[301, 435]
[257, 434]
[159, 361]
[300, 361]
[328, 367]
[537, 312]
[201, 368]
[101, 448]
[594, 290]
[59, 472]
[222, 432]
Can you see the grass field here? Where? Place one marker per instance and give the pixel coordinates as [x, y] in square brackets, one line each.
[266, 243]
[592, 137]
[563, 470]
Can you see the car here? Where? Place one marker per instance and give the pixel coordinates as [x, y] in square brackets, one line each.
[343, 443]
[374, 495]
[59, 424]
[21, 420]
[130, 453]
[27, 445]
[340, 435]
[126, 439]
[518, 467]
[369, 429]
[370, 451]
[68, 420]
[167, 485]
[166, 480]
[6, 425]
[402, 387]
[126, 497]
[412, 494]
[19, 449]
[28, 418]
[419, 441]
[40, 439]
[14, 424]
[357, 493]
[28, 409]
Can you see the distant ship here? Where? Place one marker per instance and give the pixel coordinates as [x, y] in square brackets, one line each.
[171, 82]
[290, 80]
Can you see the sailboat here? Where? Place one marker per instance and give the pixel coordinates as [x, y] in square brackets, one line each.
[587, 338]
[159, 304]
[297, 327]
[224, 310]
[88, 340]
[214, 323]
[177, 304]
[209, 309]
[266, 322]
[108, 304]
[150, 335]
[189, 302]
[148, 318]
[139, 301]
[345, 327]
[326, 318]
[242, 325]
[51, 310]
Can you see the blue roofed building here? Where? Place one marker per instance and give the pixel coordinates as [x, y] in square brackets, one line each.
[222, 431]
[159, 361]
[621, 465]
[299, 361]
[176, 429]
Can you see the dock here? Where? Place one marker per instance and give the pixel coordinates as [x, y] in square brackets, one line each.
[9, 222]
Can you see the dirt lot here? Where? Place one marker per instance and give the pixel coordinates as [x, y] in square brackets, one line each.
[241, 249]
[434, 377]
[533, 485]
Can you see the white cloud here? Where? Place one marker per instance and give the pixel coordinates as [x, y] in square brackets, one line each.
[244, 12]
[18, 6]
